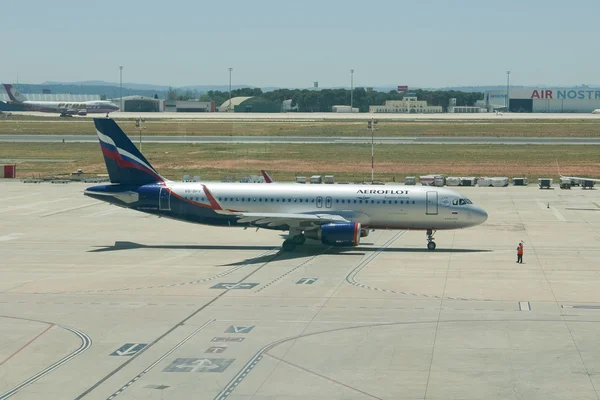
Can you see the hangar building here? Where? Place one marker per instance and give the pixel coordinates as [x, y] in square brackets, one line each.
[250, 104]
[189, 106]
[545, 100]
[139, 104]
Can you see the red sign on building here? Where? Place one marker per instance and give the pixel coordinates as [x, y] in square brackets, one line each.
[402, 88]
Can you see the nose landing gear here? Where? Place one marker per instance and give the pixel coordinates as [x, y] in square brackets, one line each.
[430, 242]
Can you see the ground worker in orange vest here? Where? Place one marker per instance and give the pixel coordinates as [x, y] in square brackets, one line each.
[520, 253]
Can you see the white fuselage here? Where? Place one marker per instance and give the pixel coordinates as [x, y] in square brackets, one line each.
[374, 206]
[63, 107]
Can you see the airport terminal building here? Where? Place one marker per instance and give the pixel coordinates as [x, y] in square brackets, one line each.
[545, 100]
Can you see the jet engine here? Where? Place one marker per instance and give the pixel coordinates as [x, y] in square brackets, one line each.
[83, 113]
[337, 234]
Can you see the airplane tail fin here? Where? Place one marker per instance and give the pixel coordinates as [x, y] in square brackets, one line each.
[13, 94]
[125, 164]
[266, 175]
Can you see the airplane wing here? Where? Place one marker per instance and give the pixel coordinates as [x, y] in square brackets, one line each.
[289, 219]
[274, 219]
[581, 179]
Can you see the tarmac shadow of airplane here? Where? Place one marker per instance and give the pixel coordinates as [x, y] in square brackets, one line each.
[300, 252]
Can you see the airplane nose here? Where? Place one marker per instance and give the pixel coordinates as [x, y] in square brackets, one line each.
[479, 215]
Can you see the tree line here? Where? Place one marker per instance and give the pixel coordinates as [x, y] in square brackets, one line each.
[323, 100]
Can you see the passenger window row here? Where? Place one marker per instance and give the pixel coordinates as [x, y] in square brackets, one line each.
[295, 200]
[343, 201]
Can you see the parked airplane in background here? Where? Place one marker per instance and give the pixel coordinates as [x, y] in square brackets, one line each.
[575, 178]
[337, 215]
[64, 108]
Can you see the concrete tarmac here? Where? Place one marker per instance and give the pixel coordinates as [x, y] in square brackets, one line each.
[99, 302]
[310, 139]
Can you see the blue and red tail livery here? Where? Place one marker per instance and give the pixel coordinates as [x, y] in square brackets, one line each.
[125, 164]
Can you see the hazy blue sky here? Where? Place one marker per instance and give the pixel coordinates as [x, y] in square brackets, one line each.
[291, 43]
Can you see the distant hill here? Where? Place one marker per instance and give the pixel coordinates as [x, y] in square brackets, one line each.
[111, 89]
[149, 87]
[101, 90]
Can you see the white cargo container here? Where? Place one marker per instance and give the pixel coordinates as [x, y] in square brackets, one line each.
[432, 180]
[484, 182]
[452, 181]
[499, 181]
[329, 179]
[427, 180]
[519, 181]
[316, 179]
[440, 180]
[300, 179]
[545, 183]
[468, 181]
[410, 180]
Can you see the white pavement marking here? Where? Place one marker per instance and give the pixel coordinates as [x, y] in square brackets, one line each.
[103, 213]
[178, 345]
[38, 203]
[557, 214]
[86, 343]
[548, 205]
[12, 236]
[72, 209]
[524, 306]
[19, 197]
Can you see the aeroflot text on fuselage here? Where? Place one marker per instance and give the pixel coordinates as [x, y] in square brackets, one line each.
[566, 94]
[382, 191]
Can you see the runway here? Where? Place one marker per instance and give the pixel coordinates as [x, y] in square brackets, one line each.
[310, 140]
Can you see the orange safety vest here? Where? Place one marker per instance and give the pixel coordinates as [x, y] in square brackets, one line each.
[520, 249]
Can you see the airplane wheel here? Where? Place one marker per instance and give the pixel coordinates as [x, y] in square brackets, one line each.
[431, 245]
[288, 245]
[300, 239]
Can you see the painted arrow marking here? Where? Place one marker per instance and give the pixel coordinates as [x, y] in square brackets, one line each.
[128, 349]
[306, 281]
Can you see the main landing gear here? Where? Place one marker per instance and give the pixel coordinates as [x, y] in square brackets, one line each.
[293, 241]
[430, 242]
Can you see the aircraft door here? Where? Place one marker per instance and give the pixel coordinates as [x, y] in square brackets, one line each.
[164, 199]
[319, 202]
[432, 203]
[328, 202]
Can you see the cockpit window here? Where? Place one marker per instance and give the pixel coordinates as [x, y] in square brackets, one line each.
[461, 202]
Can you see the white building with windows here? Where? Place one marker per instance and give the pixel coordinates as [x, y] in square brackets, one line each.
[408, 105]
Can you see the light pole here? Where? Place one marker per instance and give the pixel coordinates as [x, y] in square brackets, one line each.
[139, 123]
[351, 88]
[229, 107]
[507, 90]
[121, 85]
[371, 125]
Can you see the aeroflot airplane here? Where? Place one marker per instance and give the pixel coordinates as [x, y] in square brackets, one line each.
[337, 215]
[64, 108]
